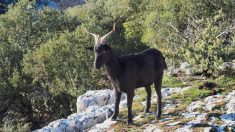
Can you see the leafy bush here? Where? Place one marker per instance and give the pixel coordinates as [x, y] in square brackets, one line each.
[209, 43]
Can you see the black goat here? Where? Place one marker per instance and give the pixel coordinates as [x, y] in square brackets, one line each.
[129, 72]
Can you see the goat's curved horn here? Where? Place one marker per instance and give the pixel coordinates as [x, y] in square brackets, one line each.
[104, 38]
[95, 35]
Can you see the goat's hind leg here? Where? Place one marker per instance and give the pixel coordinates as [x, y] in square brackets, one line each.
[158, 86]
[148, 100]
[130, 96]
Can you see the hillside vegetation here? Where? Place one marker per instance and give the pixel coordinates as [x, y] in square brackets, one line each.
[44, 65]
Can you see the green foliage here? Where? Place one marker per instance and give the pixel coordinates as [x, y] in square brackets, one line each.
[169, 81]
[209, 49]
[62, 65]
[23, 31]
[228, 83]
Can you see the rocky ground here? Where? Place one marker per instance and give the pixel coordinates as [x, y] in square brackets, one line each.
[213, 113]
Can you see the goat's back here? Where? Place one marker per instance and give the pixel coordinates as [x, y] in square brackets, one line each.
[148, 57]
[142, 68]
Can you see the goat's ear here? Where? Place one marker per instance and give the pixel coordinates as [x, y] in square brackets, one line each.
[89, 48]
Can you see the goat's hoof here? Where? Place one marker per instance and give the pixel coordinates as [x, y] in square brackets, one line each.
[146, 111]
[114, 118]
[129, 122]
[158, 117]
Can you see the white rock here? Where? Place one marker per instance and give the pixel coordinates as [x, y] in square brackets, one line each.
[168, 91]
[95, 98]
[44, 129]
[230, 96]
[227, 66]
[212, 102]
[123, 104]
[194, 106]
[213, 120]
[189, 71]
[89, 122]
[74, 126]
[191, 114]
[230, 106]
[200, 119]
[172, 71]
[75, 117]
[173, 123]
[112, 98]
[62, 125]
[168, 106]
[58, 129]
[103, 127]
[152, 128]
[184, 129]
[93, 107]
[166, 119]
[184, 65]
[59, 123]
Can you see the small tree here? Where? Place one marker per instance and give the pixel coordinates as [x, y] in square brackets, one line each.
[208, 43]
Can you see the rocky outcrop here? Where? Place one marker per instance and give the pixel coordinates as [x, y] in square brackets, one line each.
[95, 107]
[96, 98]
[203, 111]
[185, 68]
[213, 113]
[92, 108]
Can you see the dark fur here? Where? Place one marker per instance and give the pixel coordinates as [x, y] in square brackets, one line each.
[129, 72]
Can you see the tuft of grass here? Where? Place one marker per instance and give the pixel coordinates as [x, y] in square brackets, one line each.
[122, 126]
[137, 108]
[190, 95]
[169, 81]
[177, 110]
[146, 119]
[225, 81]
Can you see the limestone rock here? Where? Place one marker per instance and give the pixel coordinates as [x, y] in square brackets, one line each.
[195, 106]
[184, 129]
[96, 98]
[152, 128]
[230, 106]
[103, 127]
[227, 66]
[212, 102]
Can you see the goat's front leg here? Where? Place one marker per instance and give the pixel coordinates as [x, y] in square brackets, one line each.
[117, 101]
[129, 106]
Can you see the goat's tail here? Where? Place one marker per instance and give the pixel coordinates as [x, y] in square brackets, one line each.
[164, 61]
